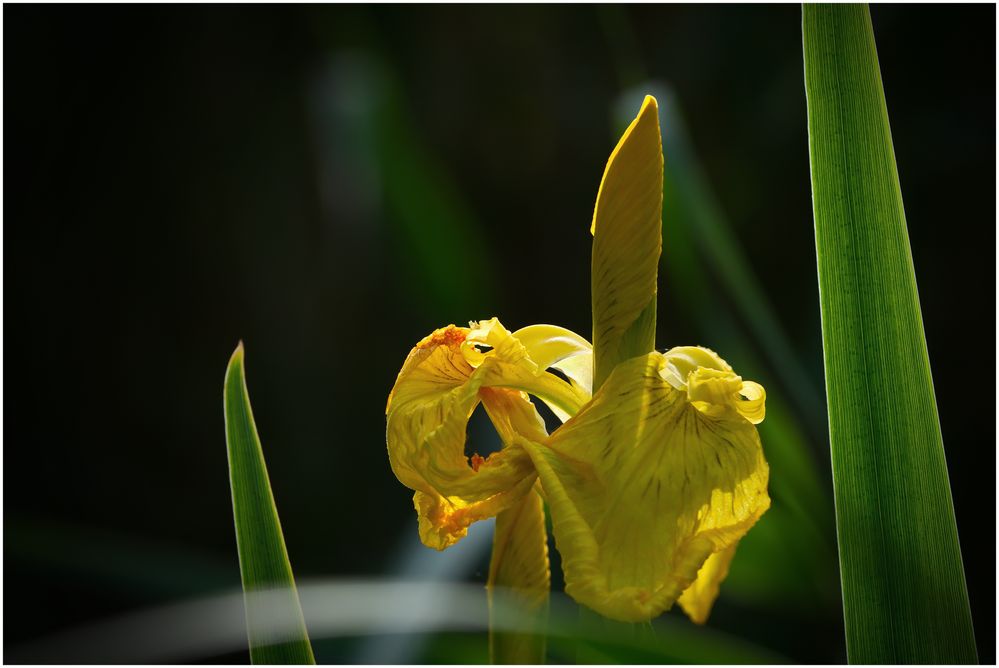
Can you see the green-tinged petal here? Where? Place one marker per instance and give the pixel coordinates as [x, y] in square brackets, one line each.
[519, 581]
[553, 347]
[442, 380]
[508, 362]
[698, 598]
[627, 241]
[644, 485]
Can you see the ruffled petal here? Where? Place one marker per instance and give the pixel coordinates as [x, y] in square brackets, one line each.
[510, 362]
[643, 485]
[443, 521]
[441, 382]
[711, 384]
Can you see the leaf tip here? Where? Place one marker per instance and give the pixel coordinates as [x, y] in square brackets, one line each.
[234, 369]
[237, 354]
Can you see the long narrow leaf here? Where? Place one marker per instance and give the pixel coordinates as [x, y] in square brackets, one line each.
[263, 558]
[904, 593]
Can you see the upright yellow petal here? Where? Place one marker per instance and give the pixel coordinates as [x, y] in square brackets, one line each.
[519, 581]
[643, 485]
[627, 241]
[441, 382]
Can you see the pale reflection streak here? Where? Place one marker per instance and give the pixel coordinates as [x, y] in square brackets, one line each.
[208, 627]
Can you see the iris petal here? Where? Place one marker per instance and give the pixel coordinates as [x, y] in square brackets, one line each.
[643, 486]
[523, 365]
[627, 241]
[519, 580]
[553, 347]
[699, 597]
[443, 379]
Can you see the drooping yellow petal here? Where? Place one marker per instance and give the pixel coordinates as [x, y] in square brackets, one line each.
[444, 520]
[627, 241]
[644, 485]
[697, 599]
[443, 379]
[519, 581]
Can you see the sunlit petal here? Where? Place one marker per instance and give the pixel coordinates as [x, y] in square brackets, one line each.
[643, 486]
[443, 521]
[443, 379]
[712, 385]
[627, 241]
[553, 347]
[508, 362]
[697, 599]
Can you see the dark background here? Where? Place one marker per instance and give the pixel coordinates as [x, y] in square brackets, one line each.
[329, 184]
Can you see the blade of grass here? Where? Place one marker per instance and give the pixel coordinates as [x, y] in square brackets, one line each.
[263, 558]
[904, 593]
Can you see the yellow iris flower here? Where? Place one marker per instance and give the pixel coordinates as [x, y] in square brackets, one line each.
[655, 474]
